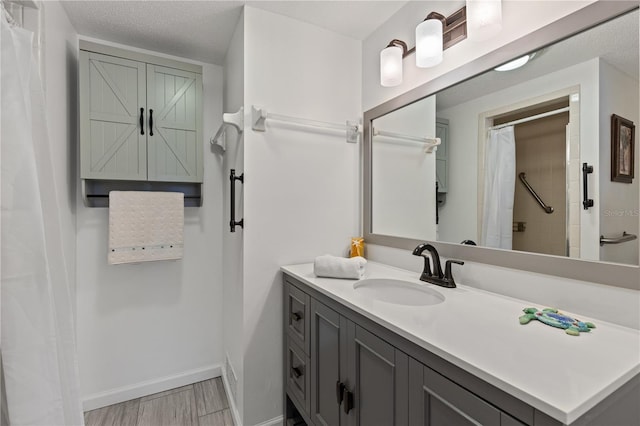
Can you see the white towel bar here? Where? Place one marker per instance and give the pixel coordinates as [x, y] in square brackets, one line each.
[259, 115]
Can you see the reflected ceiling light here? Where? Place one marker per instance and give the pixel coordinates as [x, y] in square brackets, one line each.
[516, 63]
[391, 63]
[429, 41]
[435, 34]
[485, 18]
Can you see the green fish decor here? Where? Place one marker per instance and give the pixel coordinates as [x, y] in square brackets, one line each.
[557, 319]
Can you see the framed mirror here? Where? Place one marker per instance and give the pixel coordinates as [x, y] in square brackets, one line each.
[508, 173]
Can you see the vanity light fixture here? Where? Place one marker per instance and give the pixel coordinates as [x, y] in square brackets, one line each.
[435, 34]
[429, 43]
[485, 18]
[391, 63]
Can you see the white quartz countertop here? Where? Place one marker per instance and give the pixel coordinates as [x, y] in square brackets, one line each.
[561, 375]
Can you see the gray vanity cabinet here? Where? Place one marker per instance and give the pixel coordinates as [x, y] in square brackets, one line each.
[377, 375]
[356, 377]
[341, 369]
[435, 400]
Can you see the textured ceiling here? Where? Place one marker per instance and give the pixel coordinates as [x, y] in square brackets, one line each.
[201, 30]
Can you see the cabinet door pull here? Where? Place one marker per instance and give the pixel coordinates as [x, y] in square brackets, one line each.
[297, 372]
[339, 391]
[348, 401]
[150, 122]
[232, 190]
[142, 121]
[296, 316]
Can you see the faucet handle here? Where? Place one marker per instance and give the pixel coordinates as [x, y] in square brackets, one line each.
[448, 275]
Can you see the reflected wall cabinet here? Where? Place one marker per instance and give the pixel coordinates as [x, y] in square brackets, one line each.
[140, 116]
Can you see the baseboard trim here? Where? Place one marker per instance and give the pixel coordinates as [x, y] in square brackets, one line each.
[275, 421]
[232, 402]
[137, 390]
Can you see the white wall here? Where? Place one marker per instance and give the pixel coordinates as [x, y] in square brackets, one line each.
[619, 201]
[233, 242]
[153, 326]
[519, 18]
[301, 185]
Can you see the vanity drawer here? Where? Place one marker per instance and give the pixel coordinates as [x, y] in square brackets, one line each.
[297, 375]
[297, 316]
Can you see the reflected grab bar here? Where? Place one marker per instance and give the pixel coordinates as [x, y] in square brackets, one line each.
[523, 179]
[617, 240]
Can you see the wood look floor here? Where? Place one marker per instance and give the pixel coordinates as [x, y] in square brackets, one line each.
[200, 404]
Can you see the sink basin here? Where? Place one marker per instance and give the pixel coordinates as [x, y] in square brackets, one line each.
[398, 292]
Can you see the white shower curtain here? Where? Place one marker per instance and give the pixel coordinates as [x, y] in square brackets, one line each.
[499, 187]
[38, 337]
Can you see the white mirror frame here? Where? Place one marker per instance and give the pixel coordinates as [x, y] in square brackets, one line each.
[613, 274]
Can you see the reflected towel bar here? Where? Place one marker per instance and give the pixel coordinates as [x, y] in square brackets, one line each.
[617, 240]
[523, 179]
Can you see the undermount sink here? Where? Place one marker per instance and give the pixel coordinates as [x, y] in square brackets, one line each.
[398, 292]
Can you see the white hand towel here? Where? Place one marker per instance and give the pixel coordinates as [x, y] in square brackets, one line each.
[145, 226]
[339, 267]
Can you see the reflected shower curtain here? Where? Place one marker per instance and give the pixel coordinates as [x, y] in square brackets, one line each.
[38, 336]
[499, 187]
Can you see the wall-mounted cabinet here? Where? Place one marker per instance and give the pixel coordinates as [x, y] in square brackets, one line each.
[442, 154]
[140, 117]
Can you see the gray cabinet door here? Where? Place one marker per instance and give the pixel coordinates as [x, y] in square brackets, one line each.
[175, 142]
[327, 359]
[434, 400]
[378, 378]
[112, 93]
[442, 154]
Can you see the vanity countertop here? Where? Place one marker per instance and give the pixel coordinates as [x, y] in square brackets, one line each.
[561, 375]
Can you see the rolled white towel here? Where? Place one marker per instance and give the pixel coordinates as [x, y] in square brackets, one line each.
[339, 267]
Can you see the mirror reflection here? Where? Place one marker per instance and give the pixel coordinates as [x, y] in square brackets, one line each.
[509, 170]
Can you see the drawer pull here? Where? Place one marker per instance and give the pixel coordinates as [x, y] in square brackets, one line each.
[348, 401]
[339, 391]
[297, 372]
[296, 316]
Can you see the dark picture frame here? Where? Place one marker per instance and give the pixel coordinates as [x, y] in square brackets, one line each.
[623, 133]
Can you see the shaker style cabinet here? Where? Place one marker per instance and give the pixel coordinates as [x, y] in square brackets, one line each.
[356, 378]
[442, 154]
[338, 371]
[140, 117]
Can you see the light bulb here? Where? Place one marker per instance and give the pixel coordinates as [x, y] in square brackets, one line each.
[484, 18]
[429, 43]
[391, 66]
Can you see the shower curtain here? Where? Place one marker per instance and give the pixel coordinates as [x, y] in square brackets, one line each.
[499, 187]
[38, 335]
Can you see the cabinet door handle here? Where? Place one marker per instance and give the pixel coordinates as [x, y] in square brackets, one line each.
[296, 316]
[150, 122]
[348, 401]
[339, 391]
[142, 121]
[232, 191]
[586, 201]
[297, 372]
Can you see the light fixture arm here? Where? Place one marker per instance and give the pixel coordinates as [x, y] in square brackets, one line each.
[401, 44]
